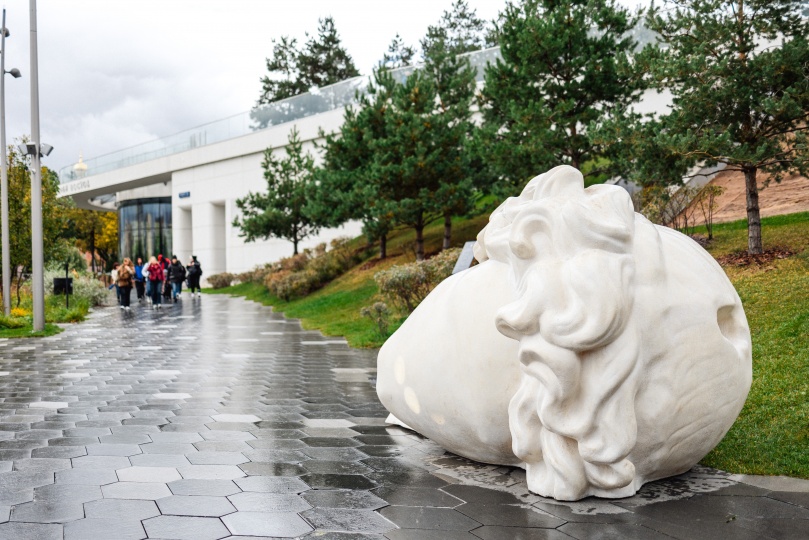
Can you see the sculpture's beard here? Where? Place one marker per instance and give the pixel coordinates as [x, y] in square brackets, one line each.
[572, 419]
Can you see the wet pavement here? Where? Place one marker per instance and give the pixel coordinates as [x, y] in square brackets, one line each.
[217, 418]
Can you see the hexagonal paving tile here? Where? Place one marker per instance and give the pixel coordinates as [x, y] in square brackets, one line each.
[443, 519]
[149, 491]
[347, 520]
[211, 472]
[82, 529]
[121, 510]
[148, 474]
[217, 458]
[268, 502]
[185, 528]
[199, 505]
[344, 499]
[272, 484]
[214, 488]
[286, 524]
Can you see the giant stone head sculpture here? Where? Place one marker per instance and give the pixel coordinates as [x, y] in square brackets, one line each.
[592, 348]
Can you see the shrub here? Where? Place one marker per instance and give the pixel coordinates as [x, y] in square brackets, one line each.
[85, 285]
[302, 274]
[18, 313]
[294, 284]
[12, 321]
[407, 285]
[257, 275]
[380, 314]
[222, 280]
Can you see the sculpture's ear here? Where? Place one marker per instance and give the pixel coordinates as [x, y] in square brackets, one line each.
[535, 219]
[561, 181]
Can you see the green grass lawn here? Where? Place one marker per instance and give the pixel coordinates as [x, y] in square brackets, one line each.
[771, 435]
[27, 331]
[55, 312]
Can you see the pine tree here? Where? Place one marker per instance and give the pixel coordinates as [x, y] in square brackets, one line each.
[293, 70]
[460, 29]
[408, 156]
[453, 78]
[324, 60]
[564, 66]
[738, 71]
[283, 77]
[280, 210]
[349, 184]
[398, 54]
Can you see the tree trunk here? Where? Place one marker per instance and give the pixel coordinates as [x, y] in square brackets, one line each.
[93, 250]
[420, 242]
[383, 246]
[294, 246]
[754, 245]
[447, 231]
[20, 272]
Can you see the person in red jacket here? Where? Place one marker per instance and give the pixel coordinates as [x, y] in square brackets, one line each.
[156, 278]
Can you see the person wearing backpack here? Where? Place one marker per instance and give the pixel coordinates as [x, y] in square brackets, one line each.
[176, 276]
[194, 274]
[156, 277]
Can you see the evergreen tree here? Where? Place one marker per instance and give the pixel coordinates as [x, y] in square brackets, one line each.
[293, 70]
[280, 210]
[408, 156]
[564, 66]
[324, 60]
[738, 71]
[459, 31]
[284, 78]
[398, 54]
[349, 183]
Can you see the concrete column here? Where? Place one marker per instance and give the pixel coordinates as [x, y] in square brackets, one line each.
[182, 233]
[208, 223]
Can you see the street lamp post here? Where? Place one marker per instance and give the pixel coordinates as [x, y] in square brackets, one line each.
[37, 250]
[6, 255]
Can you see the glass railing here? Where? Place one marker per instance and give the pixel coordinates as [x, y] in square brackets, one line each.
[316, 101]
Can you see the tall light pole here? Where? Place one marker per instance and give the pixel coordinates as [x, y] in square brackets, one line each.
[37, 250]
[6, 252]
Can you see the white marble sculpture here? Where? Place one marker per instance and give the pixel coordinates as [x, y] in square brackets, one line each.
[592, 348]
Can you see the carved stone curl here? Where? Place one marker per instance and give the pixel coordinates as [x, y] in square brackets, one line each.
[629, 355]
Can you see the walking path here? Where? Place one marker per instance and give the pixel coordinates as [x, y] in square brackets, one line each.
[217, 418]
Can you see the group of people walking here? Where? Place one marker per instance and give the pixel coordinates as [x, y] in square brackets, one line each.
[159, 278]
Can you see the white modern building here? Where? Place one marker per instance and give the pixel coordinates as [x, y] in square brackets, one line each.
[177, 195]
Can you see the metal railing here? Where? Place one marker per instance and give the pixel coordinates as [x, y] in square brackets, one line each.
[316, 101]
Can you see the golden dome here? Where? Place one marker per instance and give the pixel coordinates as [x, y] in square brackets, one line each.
[80, 166]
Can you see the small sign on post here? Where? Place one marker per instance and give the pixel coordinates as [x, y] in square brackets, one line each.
[65, 285]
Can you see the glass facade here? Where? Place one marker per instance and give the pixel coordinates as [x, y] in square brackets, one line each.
[144, 228]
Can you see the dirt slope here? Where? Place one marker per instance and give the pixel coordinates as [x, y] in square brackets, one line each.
[789, 196]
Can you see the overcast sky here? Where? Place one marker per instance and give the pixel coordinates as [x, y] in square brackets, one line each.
[114, 73]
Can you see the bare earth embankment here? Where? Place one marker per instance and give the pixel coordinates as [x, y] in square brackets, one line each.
[789, 196]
